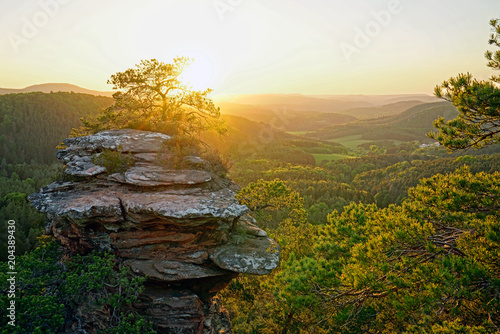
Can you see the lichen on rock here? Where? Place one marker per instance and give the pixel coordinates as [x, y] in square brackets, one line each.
[181, 228]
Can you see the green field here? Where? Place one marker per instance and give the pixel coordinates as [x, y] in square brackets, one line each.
[352, 142]
[329, 156]
[298, 133]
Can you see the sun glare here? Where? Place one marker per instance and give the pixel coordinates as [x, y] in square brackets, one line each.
[199, 74]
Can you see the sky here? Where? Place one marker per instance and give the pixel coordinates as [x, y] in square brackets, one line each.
[250, 46]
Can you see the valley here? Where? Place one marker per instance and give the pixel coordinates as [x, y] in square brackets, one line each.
[333, 162]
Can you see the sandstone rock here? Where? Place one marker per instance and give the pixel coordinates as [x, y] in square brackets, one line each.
[171, 271]
[83, 166]
[154, 176]
[247, 224]
[195, 161]
[146, 157]
[90, 204]
[127, 140]
[141, 238]
[248, 254]
[248, 251]
[182, 229]
[173, 311]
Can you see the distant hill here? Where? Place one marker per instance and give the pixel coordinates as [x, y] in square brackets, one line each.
[380, 111]
[247, 139]
[33, 124]
[379, 100]
[296, 102]
[422, 116]
[287, 102]
[286, 120]
[54, 87]
[412, 124]
[322, 103]
[244, 135]
[387, 99]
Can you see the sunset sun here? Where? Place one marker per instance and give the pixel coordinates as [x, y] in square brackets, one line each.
[199, 74]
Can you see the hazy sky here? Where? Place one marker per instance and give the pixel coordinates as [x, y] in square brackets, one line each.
[250, 46]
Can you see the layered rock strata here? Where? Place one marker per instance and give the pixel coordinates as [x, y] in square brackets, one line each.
[181, 228]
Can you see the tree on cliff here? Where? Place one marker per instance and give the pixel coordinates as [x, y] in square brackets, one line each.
[478, 104]
[152, 97]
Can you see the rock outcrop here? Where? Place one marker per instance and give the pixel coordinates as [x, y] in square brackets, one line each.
[181, 228]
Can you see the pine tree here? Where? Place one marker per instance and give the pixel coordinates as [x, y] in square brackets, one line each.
[478, 103]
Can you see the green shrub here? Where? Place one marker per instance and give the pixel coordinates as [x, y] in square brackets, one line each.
[132, 324]
[114, 161]
[174, 152]
[48, 288]
[217, 163]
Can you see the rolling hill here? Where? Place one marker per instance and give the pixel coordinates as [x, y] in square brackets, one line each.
[296, 102]
[380, 111]
[54, 87]
[283, 119]
[412, 124]
[33, 124]
[321, 103]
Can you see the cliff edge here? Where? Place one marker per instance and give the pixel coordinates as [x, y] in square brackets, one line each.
[181, 228]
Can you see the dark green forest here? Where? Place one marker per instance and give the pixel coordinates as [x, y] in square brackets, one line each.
[31, 126]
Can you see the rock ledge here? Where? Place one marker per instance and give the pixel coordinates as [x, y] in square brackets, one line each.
[182, 229]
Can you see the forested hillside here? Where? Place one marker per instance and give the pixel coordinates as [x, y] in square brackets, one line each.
[54, 87]
[284, 119]
[389, 109]
[33, 124]
[412, 124]
[344, 104]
